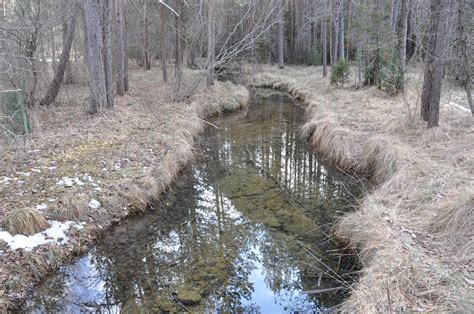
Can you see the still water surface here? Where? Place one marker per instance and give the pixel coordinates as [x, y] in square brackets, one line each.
[244, 229]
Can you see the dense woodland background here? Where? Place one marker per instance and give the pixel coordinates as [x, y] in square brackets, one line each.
[46, 44]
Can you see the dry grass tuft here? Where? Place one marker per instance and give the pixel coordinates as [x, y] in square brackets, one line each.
[455, 224]
[383, 157]
[25, 221]
[334, 142]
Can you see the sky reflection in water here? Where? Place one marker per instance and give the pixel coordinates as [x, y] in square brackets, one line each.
[241, 230]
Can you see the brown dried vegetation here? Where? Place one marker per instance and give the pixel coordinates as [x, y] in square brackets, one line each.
[124, 159]
[413, 233]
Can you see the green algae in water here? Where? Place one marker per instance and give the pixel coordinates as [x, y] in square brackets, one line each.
[244, 229]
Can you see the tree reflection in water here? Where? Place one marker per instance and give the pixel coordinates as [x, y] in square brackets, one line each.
[244, 229]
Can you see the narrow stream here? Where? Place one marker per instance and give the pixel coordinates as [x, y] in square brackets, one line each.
[244, 229]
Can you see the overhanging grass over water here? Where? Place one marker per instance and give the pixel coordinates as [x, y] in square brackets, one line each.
[244, 228]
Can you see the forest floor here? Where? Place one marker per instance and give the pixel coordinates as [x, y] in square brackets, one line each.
[83, 173]
[413, 231]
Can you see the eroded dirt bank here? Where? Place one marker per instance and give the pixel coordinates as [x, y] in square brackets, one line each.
[96, 170]
[414, 231]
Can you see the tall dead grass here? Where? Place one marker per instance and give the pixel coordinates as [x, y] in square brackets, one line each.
[126, 159]
[26, 221]
[413, 233]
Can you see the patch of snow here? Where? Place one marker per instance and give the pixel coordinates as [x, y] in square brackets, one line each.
[57, 232]
[458, 106]
[41, 206]
[51, 200]
[36, 170]
[25, 174]
[78, 181]
[97, 189]
[6, 179]
[94, 204]
[88, 178]
[65, 181]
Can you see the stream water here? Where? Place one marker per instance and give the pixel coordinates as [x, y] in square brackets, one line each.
[244, 229]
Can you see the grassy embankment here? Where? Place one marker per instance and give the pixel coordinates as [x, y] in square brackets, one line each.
[414, 231]
[122, 159]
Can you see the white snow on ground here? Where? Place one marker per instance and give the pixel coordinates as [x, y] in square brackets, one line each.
[6, 179]
[458, 106]
[65, 181]
[56, 233]
[94, 204]
[78, 181]
[41, 206]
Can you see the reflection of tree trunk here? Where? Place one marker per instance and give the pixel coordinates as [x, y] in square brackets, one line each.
[318, 179]
[63, 62]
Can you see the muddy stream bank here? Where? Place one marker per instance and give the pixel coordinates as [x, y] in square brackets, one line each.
[245, 228]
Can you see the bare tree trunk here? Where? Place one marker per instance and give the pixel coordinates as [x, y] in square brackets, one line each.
[210, 43]
[431, 92]
[68, 75]
[402, 38]
[125, 50]
[178, 41]
[120, 46]
[281, 36]
[340, 14]
[178, 70]
[335, 36]
[98, 92]
[53, 50]
[349, 30]
[146, 53]
[163, 43]
[463, 46]
[53, 89]
[324, 34]
[107, 50]
[394, 14]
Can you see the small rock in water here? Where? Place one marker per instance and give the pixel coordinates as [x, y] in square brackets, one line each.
[94, 204]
